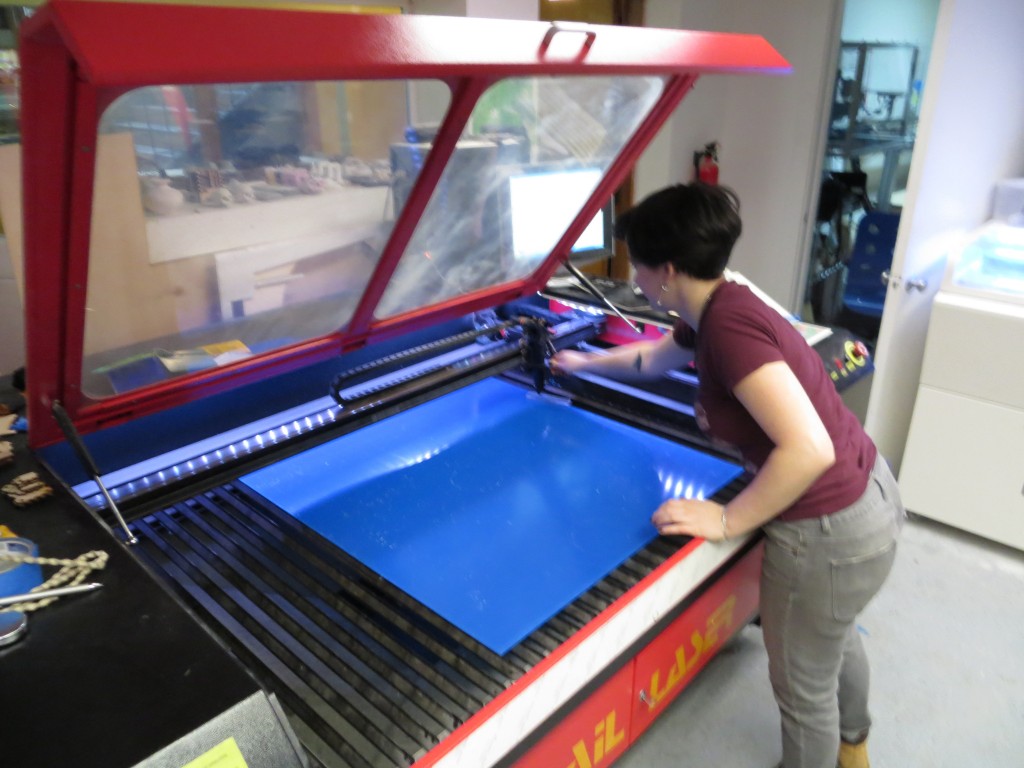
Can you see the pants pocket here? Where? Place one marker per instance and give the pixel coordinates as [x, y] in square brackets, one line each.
[855, 580]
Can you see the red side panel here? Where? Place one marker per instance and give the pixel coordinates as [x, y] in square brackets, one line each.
[602, 728]
[595, 734]
[47, 127]
[666, 666]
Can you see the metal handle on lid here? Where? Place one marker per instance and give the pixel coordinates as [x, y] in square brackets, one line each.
[561, 26]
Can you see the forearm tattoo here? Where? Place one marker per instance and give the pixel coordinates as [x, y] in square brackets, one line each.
[639, 362]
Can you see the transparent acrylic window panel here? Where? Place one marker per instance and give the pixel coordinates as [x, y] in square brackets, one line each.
[532, 153]
[234, 219]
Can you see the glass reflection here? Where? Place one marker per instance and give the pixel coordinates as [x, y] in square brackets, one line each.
[561, 133]
[233, 219]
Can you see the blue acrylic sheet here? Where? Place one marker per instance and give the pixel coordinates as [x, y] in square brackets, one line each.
[493, 507]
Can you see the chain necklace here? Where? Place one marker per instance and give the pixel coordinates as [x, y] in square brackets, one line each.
[707, 299]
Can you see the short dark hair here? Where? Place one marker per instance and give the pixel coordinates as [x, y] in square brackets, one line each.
[693, 227]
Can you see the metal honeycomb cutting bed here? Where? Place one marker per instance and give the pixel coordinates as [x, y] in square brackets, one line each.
[367, 676]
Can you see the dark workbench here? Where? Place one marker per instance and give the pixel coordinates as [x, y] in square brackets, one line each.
[110, 677]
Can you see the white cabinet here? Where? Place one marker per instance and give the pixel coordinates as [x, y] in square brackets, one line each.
[964, 460]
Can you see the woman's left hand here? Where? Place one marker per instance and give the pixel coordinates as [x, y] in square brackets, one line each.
[689, 517]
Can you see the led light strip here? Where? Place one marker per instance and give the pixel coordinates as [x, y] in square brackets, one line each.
[226, 447]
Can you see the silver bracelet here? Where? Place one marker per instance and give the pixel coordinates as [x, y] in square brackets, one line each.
[725, 524]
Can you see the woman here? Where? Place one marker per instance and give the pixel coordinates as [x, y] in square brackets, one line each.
[825, 499]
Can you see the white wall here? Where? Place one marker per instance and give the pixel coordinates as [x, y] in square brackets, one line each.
[770, 129]
[971, 135]
[523, 10]
[503, 9]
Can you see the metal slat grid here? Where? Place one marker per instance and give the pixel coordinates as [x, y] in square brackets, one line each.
[367, 676]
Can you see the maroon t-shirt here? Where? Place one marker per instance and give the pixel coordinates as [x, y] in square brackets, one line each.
[738, 334]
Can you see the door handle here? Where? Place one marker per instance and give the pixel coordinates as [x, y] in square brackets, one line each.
[912, 285]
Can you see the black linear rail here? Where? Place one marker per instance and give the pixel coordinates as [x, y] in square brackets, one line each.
[141, 495]
[368, 677]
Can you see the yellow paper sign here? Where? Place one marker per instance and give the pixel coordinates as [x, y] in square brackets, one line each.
[224, 755]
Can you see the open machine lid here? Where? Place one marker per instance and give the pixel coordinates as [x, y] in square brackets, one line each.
[216, 195]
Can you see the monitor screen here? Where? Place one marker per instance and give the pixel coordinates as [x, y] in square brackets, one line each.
[542, 203]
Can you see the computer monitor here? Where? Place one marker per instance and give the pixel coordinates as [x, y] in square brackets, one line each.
[542, 201]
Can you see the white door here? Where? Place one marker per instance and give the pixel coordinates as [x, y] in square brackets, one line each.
[970, 135]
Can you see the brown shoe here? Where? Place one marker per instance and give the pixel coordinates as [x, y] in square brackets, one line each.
[853, 755]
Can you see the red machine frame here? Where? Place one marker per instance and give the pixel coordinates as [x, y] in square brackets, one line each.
[77, 58]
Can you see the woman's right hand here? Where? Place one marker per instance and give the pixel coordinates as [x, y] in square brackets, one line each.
[569, 361]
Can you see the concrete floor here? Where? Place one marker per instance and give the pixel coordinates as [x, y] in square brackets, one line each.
[946, 642]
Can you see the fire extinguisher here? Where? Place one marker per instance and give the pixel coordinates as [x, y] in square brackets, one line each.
[705, 163]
